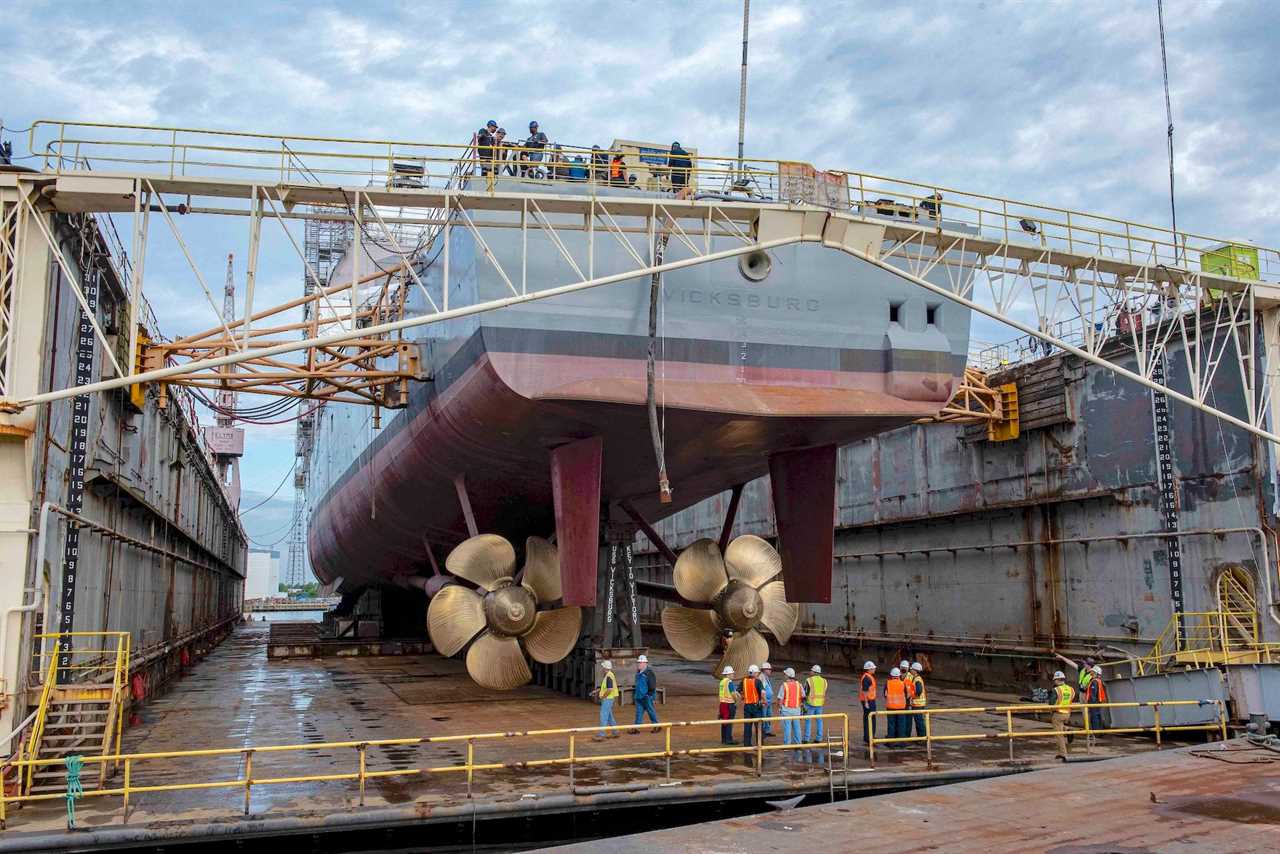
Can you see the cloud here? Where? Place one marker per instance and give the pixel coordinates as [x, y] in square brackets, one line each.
[1053, 102]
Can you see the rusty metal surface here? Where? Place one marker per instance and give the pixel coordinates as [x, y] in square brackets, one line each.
[1170, 801]
[237, 698]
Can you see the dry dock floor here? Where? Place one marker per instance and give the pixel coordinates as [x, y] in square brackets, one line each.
[1176, 801]
[237, 698]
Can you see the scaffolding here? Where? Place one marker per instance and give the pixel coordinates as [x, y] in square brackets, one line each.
[324, 242]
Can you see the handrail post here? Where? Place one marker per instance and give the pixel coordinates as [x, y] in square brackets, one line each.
[928, 737]
[1008, 715]
[1155, 705]
[361, 749]
[248, 778]
[128, 777]
[471, 755]
[667, 750]
[871, 737]
[759, 734]
[1088, 732]
[1222, 719]
[573, 740]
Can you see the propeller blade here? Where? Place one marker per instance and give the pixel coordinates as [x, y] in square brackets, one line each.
[692, 632]
[542, 570]
[497, 663]
[699, 571]
[482, 560]
[553, 634]
[745, 649]
[751, 560]
[455, 616]
[780, 616]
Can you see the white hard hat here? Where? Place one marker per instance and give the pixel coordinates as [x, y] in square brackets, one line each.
[1058, 674]
[751, 668]
[870, 665]
[766, 666]
[1097, 668]
[817, 668]
[643, 658]
[895, 672]
[728, 671]
[904, 664]
[789, 673]
[917, 667]
[607, 665]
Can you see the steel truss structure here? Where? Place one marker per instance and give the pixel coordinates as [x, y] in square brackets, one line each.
[1113, 293]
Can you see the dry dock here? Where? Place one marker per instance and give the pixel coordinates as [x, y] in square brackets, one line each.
[238, 699]
[1176, 800]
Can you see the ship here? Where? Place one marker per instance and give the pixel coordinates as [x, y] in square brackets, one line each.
[535, 423]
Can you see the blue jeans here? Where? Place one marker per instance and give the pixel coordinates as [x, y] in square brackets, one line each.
[606, 713]
[868, 722]
[791, 729]
[817, 724]
[644, 705]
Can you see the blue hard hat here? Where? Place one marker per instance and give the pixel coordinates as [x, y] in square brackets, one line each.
[493, 122]
[533, 124]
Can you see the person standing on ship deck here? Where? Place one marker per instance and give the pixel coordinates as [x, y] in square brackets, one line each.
[486, 146]
[1063, 695]
[815, 700]
[728, 705]
[790, 705]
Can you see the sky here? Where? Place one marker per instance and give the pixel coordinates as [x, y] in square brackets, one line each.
[1053, 102]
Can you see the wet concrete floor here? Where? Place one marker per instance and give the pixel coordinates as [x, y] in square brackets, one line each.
[237, 698]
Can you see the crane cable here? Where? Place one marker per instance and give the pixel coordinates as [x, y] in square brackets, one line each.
[1168, 111]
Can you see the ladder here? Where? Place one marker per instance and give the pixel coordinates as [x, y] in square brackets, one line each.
[83, 694]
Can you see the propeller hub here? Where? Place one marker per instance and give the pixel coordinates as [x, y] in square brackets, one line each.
[739, 606]
[510, 610]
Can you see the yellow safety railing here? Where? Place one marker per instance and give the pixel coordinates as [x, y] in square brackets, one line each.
[173, 152]
[1199, 639]
[72, 671]
[1008, 714]
[572, 758]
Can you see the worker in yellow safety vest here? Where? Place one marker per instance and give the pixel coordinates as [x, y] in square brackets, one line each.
[919, 697]
[608, 695]
[815, 700]
[728, 705]
[1063, 696]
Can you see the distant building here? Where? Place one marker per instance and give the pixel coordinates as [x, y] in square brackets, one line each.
[263, 580]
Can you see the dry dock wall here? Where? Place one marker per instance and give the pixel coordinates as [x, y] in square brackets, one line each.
[915, 505]
[145, 476]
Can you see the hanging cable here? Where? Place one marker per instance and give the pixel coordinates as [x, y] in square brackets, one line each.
[274, 491]
[1168, 111]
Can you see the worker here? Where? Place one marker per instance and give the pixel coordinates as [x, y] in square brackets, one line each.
[1096, 692]
[608, 695]
[932, 205]
[485, 145]
[766, 682]
[815, 699]
[918, 697]
[618, 171]
[1063, 696]
[728, 705]
[790, 705]
[909, 688]
[679, 163]
[534, 144]
[895, 699]
[867, 699]
[599, 165]
[752, 705]
[644, 693]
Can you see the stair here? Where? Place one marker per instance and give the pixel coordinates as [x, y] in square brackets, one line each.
[80, 724]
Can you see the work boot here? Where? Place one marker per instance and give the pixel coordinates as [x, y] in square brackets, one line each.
[656, 729]
[634, 731]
